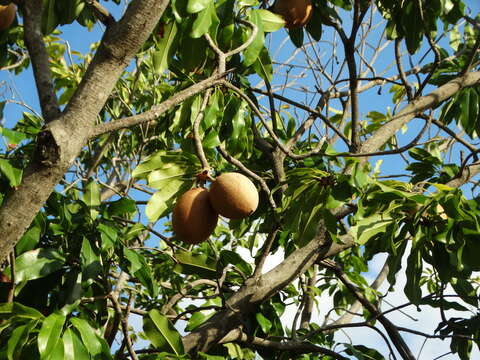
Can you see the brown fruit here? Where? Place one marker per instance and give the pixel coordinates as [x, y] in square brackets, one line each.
[4, 278]
[7, 15]
[193, 217]
[296, 13]
[233, 195]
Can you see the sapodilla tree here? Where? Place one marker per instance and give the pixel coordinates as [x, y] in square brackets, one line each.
[354, 128]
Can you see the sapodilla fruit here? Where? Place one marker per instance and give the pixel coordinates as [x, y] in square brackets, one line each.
[233, 195]
[296, 13]
[7, 15]
[193, 218]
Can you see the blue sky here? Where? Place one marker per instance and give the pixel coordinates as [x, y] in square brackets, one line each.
[80, 40]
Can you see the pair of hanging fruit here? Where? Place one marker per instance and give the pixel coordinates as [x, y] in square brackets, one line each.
[195, 215]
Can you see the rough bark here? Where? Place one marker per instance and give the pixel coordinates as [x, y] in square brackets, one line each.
[417, 106]
[256, 291]
[66, 135]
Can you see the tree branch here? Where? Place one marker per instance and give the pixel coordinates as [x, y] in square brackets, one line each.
[257, 290]
[157, 110]
[63, 138]
[297, 347]
[33, 37]
[418, 105]
[391, 329]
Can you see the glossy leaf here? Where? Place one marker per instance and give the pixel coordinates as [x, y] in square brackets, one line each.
[189, 263]
[161, 332]
[89, 338]
[13, 174]
[49, 335]
[368, 227]
[166, 47]
[18, 339]
[270, 21]
[195, 6]
[73, 346]
[38, 263]
[161, 202]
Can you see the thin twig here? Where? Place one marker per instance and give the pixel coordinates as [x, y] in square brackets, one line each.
[391, 329]
[266, 251]
[196, 132]
[124, 323]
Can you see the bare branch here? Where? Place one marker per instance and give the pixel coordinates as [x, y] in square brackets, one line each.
[297, 347]
[417, 106]
[391, 329]
[196, 134]
[124, 322]
[32, 11]
[157, 110]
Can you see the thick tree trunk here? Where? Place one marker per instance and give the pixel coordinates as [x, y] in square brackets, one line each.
[66, 135]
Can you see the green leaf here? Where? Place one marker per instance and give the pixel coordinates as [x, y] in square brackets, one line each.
[17, 310]
[231, 257]
[370, 226]
[263, 65]
[12, 137]
[38, 263]
[211, 140]
[204, 20]
[161, 333]
[362, 352]
[108, 235]
[89, 337]
[13, 174]
[136, 261]
[195, 264]
[412, 288]
[270, 21]
[73, 346]
[166, 47]
[160, 178]
[199, 317]
[122, 207]
[29, 240]
[253, 50]
[91, 266]
[161, 202]
[58, 352]
[91, 197]
[264, 323]
[466, 291]
[50, 333]
[195, 6]
[18, 339]
[145, 276]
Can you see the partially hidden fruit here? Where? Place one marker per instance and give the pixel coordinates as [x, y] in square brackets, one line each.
[7, 15]
[193, 217]
[233, 195]
[296, 13]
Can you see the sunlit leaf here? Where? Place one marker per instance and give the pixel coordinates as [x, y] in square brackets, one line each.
[161, 332]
